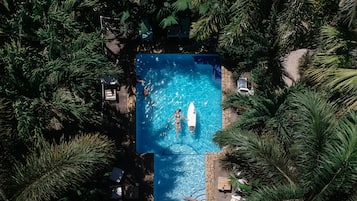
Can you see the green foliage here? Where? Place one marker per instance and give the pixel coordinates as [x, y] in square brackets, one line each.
[210, 23]
[310, 154]
[347, 12]
[51, 171]
[168, 21]
[333, 66]
[182, 5]
[7, 141]
[51, 62]
[164, 11]
[273, 193]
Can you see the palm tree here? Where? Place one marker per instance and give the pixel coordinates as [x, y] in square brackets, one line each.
[50, 77]
[58, 85]
[48, 172]
[214, 17]
[313, 158]
[7, 146]
[333, 65]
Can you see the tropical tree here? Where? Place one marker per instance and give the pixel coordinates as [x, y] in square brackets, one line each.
[311, 156]
[58, 84]
[51, 65]
[48, 172]
[333, 64]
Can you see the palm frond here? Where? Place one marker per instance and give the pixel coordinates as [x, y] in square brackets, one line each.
[273, 193]
[348, 11]
[264, 153]
[124, 16]
[211, 23]
[7, 141]
[353, 196]
[331, 39]
[27, 121]
[74, 109]
[50, 171]
[340, 80]
[343, 80]
[337, 170]
[164, 11]
[316, 121]
[182, 5]
[293, 23]
[236, 101]
[6, 116]
[333, 51]
[169, 21]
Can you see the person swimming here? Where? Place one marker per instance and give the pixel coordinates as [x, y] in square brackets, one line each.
[145, 91]
[177, 115]
[188, 198]
[178, 121]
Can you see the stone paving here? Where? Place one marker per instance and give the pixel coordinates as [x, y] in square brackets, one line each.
[213, 168]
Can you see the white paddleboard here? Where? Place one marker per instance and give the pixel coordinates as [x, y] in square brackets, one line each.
[191, 117]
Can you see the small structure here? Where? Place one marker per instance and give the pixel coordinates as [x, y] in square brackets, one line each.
[237, 198]
[223, 184]
[117, 174]
[242, 86]
[109, 88]
[110, 85]
[117, 193]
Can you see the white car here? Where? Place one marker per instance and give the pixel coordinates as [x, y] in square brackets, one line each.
[242, 86]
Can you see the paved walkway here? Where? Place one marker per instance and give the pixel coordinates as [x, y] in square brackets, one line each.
[213, 168]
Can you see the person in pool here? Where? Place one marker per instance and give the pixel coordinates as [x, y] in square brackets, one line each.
[146, 91]
[189, 199]
[177, 115]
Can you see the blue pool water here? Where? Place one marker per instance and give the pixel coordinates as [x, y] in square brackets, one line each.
[173, 81]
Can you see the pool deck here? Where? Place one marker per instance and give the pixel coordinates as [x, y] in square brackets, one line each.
[213, 168]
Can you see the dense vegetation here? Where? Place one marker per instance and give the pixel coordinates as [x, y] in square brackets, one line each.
[51, 64]
[297, 143]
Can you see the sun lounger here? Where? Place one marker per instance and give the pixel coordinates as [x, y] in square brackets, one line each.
[223, 184]
[236, 198]
[117, 174]
[117, 192]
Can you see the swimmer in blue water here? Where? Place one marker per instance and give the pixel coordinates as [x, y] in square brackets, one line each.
[188, 198]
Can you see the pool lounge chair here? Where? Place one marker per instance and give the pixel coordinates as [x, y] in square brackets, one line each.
[237, 198]
[117, 174]
[223, 184]
[242, 86]
[117, 193]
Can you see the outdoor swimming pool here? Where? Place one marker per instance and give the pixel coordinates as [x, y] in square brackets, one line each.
[173, 81]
